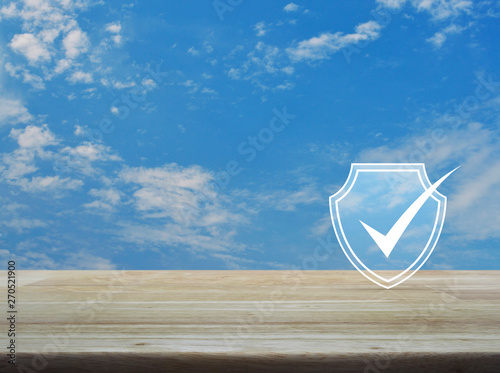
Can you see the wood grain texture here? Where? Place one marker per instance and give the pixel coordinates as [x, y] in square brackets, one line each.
[256, 321]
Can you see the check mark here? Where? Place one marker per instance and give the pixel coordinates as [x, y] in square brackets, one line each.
[387, 242]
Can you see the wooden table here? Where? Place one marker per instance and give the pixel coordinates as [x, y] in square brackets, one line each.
[254, 321]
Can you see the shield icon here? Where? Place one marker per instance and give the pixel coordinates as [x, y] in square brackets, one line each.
[388, 218]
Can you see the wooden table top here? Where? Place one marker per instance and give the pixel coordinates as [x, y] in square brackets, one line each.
[255, 321]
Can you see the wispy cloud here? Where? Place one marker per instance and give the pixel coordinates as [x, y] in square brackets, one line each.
[288, 200]
[20, 72]
[21, 225]
[13, 111]
[438, 39]
[291, 7]
[80, 260]
[106, 199]
[80, 77]
[115, 30]
[50, 38]
[322, 46]
[438, 9]
[38, 144]
[263, 60]
[260, 29]
[143, 187]
[475, 191]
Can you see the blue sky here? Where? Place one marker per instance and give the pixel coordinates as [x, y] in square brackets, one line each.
[204, 135]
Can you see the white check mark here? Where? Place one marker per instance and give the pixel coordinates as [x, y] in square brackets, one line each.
[387, 242]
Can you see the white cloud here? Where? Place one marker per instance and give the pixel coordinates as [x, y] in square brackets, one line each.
[262, 59]
[22, 225]
[302, 191]
[438, 39]
[79, 130]
[260, 29]
[110, 195]
[75, 43]
[149, 84]
[85, 260]
[92, 152]
[234, 73]
[51, 38]
[287, 200]
[322, 46]
[107, 199]
[182, 207]
[271, 59]
[168, 235]
[85, 158]
[33, 137]
[80, 77]
[19, 164]
[438, 9]
[394, 4]
[29, 46]
[48, 183]
[233, 262]
[49, 35]
[37, 144]
[208, 91]
[115, 29]
[81, 260]
[291, 7]
[208, 47]
[123, 85]
[288, 70]
[8, 11]
[194, 87]
[337, 152]
[168, 191]
[284, 86]
[62, 65]
[443, 9]
[20, 72]
[322, 226]
[13, 112]
[474, 200]
[193, 51]
[16, 165]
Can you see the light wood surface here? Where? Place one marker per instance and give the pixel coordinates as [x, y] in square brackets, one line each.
[255, 321]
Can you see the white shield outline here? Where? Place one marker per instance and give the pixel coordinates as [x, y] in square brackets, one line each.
[344, 244]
